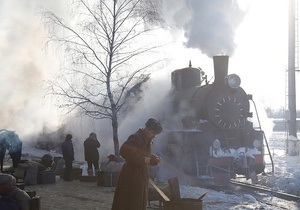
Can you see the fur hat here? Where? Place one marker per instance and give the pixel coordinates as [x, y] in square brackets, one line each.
[69, 136]
[154, 125]
[93, 135]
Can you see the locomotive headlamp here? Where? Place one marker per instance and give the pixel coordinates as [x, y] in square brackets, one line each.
[233, 81]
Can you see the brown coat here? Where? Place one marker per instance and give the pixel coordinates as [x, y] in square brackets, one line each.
[132, 187]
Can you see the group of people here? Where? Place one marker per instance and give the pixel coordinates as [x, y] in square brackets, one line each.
[91, 153]
[131, 191]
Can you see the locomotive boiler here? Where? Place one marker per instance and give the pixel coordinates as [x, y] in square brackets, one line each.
[216, 136]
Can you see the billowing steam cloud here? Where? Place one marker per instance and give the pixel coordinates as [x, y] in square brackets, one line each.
[23, 67]
[208, 25]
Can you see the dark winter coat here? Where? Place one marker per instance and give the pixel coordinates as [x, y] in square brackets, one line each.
[132, 188]
[67, 149]
[91, 149]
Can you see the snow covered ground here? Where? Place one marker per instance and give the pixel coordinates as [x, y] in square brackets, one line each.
[286, 179]
[286, 176]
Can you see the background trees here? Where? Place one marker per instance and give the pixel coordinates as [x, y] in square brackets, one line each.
[105, 44]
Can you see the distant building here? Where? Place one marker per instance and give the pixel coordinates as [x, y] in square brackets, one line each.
[280, 124]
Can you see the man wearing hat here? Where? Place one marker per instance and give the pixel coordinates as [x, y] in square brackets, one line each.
[132, 188]
[91, 153]
[68, 155]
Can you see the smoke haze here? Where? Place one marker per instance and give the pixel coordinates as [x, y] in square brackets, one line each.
[205, 25]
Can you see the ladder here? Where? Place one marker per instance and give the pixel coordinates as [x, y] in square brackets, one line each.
[264, 136]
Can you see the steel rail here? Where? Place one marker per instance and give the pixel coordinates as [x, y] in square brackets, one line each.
[282, 195]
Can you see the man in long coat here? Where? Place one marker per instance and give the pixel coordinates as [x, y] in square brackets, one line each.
[91, 154]
[132, 188]
[68, 155]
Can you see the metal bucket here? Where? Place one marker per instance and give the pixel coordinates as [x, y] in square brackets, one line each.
[183, 204]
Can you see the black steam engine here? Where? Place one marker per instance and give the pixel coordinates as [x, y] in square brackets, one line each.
[216, 135]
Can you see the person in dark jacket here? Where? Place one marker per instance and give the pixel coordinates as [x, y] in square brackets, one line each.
[132, 187]
[91, 154]
[10, 141]
[15, 148]
[68, 155]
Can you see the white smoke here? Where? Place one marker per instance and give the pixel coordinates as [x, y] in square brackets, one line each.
[209, 26]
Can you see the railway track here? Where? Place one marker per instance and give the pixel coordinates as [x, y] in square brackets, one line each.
[264, 189]
[265, 197]
[273, 199]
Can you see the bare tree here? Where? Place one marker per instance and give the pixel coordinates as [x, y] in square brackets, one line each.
[101, 51]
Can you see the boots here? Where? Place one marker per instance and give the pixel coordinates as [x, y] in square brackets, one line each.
[90, 172]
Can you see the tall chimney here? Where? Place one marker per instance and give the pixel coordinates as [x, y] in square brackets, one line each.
[220, 68]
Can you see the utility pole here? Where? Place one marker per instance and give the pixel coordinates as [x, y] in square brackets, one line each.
[292, 124]
[292, 141]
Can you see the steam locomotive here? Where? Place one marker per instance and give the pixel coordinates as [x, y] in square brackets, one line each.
[217, 136]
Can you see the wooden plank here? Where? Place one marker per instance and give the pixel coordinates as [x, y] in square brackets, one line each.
[202, 196]
[162, 194]
[174, 188]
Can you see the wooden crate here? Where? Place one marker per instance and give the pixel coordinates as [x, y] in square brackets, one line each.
[107, 179]
[76, 173]
[46, 177]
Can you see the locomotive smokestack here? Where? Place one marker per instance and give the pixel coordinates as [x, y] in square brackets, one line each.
[220, 68]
